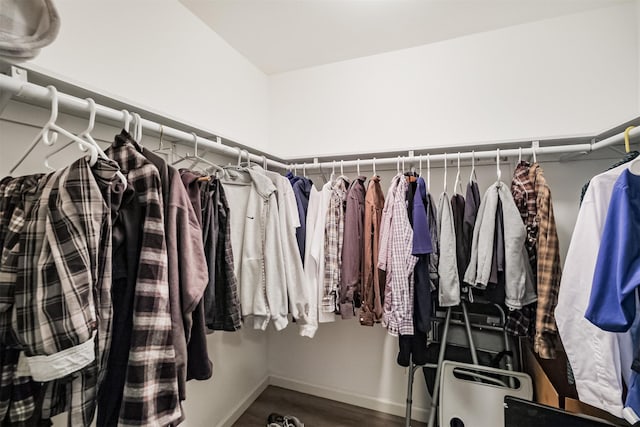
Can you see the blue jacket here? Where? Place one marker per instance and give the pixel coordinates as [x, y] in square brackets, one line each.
[612, 305]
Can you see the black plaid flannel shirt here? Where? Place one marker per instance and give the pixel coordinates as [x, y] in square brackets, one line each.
[150, 395]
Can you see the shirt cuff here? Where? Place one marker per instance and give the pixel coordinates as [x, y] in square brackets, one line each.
[545, 346]
[346, 310]
[280, 322]
[308, 330]
[44, 368]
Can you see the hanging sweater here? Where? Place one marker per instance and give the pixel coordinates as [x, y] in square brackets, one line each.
[255, 239]
[449, 289]
[297, 288]
[396, 259]
[373, 278]
[352, 249]
[519, 287]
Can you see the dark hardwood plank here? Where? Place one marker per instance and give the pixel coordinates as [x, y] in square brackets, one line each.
[314, 411]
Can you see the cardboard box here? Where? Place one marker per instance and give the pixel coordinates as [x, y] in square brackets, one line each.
[551, 386]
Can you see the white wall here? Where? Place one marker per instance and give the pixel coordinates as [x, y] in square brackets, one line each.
[239, 358]
[564, 76]
[158, 54]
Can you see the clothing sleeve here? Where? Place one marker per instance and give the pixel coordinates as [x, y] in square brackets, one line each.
[486, 235]
[275, 276]
[188, 275]
[310, 266]
[293, 216]
[421, 234]
[449, 294]
[297, 287]
[351, 254]
[385, 228]
[612, 304]
[549, 275]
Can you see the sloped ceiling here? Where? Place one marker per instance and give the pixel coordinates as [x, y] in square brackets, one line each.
[284, 35]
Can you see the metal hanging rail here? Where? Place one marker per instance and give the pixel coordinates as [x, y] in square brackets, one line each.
[17, 88]
[22, 90]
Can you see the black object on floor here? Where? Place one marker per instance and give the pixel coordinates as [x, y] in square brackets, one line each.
[523, 413]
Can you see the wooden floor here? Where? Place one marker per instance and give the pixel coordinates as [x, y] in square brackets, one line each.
[314, 411]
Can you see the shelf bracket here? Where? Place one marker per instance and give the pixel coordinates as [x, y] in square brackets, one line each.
[6, 95]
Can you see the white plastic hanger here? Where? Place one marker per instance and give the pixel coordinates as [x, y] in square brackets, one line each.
[304, 169]
[127, 120]
[374, 167]
[358, 167]
[428, 171]
[264, 162]
[86, 135]
[420, 165]
[87, 142]
[473, 175]
[519, 154]
[248, 162]
[445, 173]
[162, 149]
[458, 184]
[498, 171]
[533, 150]
[49, 134]
[137, 128]
[197, 158]
[87, 131]
[332, 177]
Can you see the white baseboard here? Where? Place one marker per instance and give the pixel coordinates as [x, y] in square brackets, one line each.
[241, 407]
[369, 402]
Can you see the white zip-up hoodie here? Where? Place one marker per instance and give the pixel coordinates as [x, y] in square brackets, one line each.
[257, 247]
[296, 281]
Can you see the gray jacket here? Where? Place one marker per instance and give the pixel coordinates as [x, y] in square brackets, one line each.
[449, 293]
[519, 286]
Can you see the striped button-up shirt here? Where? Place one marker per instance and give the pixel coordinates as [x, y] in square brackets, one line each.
[333, 239]
[549, 270]
[17, 392]
[400, 263]
[63, 293]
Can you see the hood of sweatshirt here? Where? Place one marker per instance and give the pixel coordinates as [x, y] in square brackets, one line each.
[262, 184]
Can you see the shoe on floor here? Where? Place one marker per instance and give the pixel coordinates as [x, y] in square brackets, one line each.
[277, 420]
[292, 421]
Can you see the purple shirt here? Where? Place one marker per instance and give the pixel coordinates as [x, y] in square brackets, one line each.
[421, 232]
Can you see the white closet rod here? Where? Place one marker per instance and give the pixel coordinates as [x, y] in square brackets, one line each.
[482, 155]
[32, 93]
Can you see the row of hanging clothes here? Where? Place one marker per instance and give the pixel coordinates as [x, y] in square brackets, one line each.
[597, 310]
[393, 259]
[115, 268]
